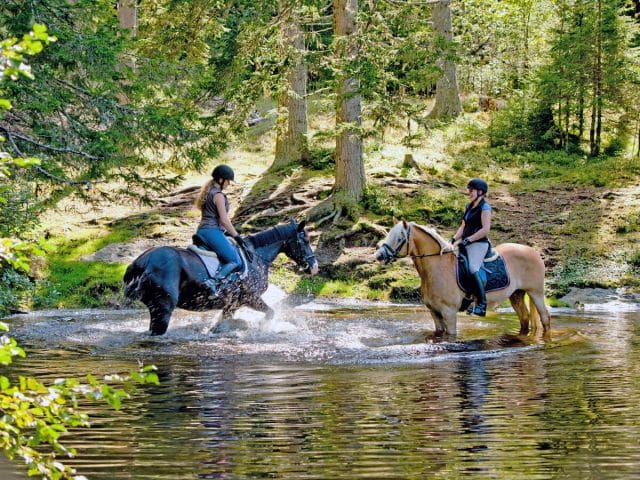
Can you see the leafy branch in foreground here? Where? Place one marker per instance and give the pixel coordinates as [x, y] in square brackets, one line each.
[12, 67]
[34, 416]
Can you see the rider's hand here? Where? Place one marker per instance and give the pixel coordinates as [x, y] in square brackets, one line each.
[239, 240]
[453, 240]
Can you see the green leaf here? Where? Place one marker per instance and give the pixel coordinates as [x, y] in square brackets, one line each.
[39, 28]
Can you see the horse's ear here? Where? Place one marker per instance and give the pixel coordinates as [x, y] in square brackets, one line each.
[301, 225]
[395, 220]
[404, 223]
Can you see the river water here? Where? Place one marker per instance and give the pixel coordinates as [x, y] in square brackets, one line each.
[351, 390]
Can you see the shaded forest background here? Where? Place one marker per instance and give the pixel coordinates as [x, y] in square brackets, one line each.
[125, 100]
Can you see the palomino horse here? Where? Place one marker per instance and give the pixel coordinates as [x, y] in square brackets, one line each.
[435, 261]
[164, 278]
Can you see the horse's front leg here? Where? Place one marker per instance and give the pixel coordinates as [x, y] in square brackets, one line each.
[228, 312]
[259, 305]
[438, 322]
[446, 321]
[450, 319]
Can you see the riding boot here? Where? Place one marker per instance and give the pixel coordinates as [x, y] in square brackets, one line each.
[216, 283]
[481, 298]
[466, 305]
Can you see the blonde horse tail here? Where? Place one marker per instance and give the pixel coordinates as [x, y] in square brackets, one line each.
[534, 315]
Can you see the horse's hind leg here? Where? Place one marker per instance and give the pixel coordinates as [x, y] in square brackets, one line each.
[161, 306]
[520, 307]
[545, 319]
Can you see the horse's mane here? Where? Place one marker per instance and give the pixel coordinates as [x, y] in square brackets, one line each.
[274, 234]
[433, 234]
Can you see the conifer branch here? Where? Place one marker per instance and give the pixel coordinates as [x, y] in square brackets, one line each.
[41, 170]
[48, 147]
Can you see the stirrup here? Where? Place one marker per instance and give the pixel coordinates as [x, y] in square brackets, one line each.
[480, 310]
[227, 284]
[466, 304]
[214, 286]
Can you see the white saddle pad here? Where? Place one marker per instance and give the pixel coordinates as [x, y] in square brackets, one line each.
[212, 262]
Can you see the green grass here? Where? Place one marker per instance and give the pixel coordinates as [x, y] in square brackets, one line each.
[629, 224]
[75, 284]
[68, 282]
[422, 206]
[451, 152]
[550, 168]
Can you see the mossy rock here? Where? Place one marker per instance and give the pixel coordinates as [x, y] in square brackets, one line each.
[405, 293]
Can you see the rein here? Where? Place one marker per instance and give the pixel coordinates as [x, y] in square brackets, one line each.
[394, 253]
[424, 255]
[309, 259]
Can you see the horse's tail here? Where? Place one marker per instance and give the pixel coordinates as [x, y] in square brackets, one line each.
[133, 278]
[534, 314]
[135, 274]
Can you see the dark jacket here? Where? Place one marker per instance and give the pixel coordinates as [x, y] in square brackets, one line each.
[473, 220]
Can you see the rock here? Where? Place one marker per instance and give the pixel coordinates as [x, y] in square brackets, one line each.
[123, 252]
[582, 296]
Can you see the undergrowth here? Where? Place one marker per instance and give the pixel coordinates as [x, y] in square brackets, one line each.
[450, 155]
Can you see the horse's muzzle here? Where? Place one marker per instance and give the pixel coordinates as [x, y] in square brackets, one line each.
[382, 256]
[313, 268]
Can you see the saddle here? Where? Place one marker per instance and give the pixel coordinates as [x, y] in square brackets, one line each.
[210, 259]
[493, 272]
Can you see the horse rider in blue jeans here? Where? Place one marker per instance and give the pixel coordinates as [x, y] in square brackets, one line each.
[473, 232]
[215, 224]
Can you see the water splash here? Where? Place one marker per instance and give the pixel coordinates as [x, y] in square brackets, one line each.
[339, 333]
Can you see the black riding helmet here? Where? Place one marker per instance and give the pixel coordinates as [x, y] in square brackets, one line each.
[478, 184]
[224, 172]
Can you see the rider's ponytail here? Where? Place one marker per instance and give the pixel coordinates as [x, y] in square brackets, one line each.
[201, 199]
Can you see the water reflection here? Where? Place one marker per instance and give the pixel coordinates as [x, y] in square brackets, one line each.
[473, 383]
[353, 393]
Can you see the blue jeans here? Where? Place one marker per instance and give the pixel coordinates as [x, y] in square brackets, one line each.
[219, 243]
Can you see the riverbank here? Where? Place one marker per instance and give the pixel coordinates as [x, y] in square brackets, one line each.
[582, 214]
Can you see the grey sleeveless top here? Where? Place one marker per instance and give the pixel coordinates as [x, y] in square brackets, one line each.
[210, 216]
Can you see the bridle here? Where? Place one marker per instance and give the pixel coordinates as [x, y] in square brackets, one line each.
[390, 254]
[299, 239]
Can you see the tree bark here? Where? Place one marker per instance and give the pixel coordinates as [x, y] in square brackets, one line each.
[447, 99]
[596, 111]
[291, 140]
[638, 137]
[350, 176]
[128, 15]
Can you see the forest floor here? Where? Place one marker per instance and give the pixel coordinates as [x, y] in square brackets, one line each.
[587, 232]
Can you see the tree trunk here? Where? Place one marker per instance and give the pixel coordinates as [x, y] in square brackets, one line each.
[350, 176]
[128, 15]
[447, 99]
[581, 112]
[567, 123]
[291, 141]
[638, 126]
[128, 19]
[596, 112]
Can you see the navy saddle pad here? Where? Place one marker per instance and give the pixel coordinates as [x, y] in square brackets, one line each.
[495, 275]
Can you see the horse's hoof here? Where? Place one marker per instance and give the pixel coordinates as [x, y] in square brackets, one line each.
[229, 325]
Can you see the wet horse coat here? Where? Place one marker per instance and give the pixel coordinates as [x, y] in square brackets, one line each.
[435, 262]
[164, 278]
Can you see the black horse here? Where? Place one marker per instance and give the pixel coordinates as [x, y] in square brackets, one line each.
[164, 278]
